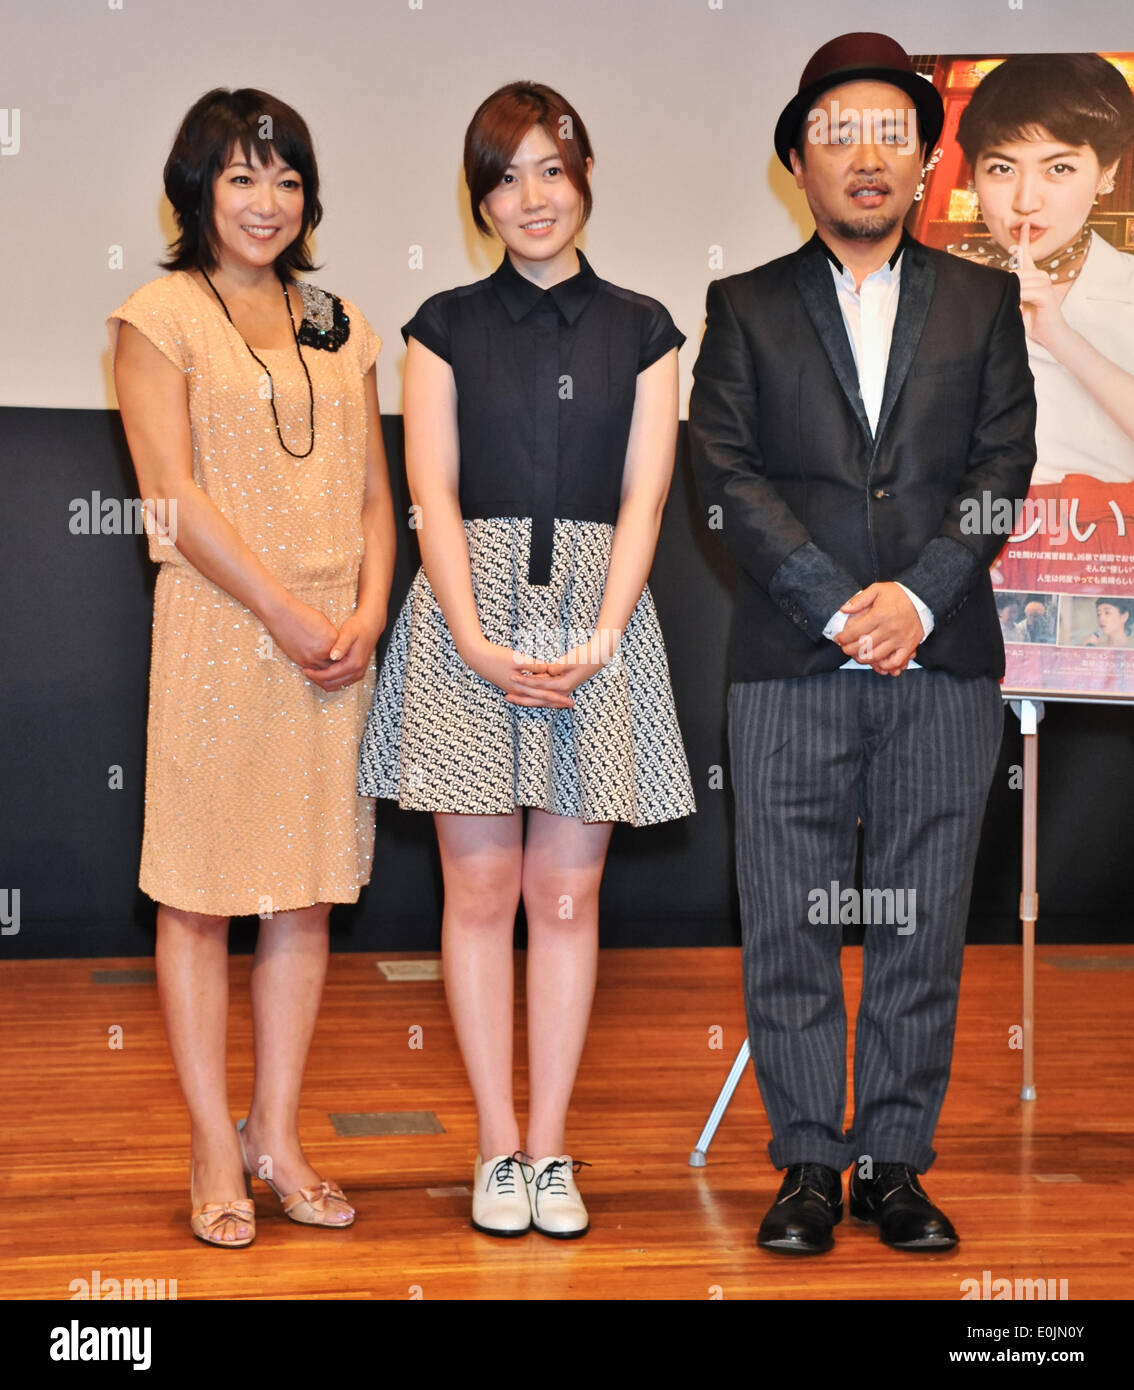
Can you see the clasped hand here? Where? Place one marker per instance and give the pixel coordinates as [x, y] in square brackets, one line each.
[331, 658]
[882, 630]
[525, 680]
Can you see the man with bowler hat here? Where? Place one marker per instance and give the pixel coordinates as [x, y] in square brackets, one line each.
[848, 399]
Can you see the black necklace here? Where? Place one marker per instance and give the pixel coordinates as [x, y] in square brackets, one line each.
[271, 383]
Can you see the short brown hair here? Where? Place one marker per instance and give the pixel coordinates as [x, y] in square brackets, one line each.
[500, 124]
[1077, 97]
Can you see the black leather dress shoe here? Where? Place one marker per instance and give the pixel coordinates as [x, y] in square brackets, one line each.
[808, 1206]
[894, 1198]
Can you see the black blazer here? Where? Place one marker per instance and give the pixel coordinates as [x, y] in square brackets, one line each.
[814, 508]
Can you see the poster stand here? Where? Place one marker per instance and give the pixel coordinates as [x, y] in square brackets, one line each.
[1029, 713]
[700, 1155]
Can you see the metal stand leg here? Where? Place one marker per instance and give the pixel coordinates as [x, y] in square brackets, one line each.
[1030, 712]
[700, 1155]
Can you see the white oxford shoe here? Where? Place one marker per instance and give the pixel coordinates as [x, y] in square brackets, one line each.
[500, 1197]
[557, 1208]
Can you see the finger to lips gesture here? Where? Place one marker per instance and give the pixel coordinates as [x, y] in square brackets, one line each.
[1038, 303]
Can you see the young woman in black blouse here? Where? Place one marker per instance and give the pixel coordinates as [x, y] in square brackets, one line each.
[527, 668]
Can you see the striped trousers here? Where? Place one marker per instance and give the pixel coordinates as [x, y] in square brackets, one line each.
[913, 757]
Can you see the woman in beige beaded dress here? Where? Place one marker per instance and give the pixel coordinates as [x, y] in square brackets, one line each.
[251, 410]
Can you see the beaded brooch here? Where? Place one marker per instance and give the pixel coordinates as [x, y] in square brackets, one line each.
[324, 325]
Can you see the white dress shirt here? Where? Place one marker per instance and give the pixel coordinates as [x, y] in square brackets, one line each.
[868, 314]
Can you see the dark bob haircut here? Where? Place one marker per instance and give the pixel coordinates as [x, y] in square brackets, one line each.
[1078, 98]
[500, 124]
[216, 126]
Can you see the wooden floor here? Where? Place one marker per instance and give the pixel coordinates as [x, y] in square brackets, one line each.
[96, 1155]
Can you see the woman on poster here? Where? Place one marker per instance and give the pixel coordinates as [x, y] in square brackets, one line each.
[1045, 135]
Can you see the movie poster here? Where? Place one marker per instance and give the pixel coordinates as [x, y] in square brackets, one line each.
[1034, 173]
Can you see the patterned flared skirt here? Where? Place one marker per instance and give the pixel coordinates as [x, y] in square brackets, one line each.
[439, 737]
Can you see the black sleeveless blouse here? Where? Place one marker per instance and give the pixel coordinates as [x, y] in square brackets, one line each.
[545, 392]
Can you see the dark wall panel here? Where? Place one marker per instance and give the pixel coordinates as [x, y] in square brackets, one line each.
[75, 626]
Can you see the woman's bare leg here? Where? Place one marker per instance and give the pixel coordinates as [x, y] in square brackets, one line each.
[481, 858]
[288, 973]
[563, 864]
[191, 961]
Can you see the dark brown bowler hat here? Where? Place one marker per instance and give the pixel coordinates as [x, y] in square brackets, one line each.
[859, 58]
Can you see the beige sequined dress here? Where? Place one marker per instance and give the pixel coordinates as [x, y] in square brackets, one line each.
[251, 797]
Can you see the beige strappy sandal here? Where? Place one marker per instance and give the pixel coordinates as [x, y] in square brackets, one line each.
[210, 1222]
[325, 1205]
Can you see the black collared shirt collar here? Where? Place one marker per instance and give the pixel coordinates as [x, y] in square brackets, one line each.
[906, 240]
[520, 295]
